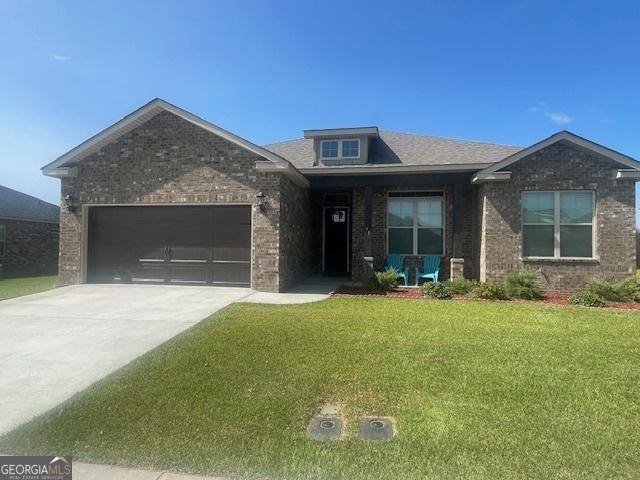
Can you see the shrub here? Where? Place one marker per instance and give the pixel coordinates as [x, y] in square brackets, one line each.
[626, 291]
[385, 281]
[586, 298]
[523, 285]
[489, 291]
[436, 290]
[461, 285]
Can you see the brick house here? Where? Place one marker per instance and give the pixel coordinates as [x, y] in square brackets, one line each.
[165, 196]
[29, 230]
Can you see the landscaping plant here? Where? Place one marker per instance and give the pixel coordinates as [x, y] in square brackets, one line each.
[626, 291]
[586, 298]
[385, 281]
[436, 290]
[489, 291]
[461, 285]
[524, 284]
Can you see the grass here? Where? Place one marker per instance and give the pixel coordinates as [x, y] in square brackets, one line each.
[16, 287]
[477, 389]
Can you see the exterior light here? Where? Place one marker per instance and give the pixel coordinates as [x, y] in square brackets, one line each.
[260, 200]
[70, 201]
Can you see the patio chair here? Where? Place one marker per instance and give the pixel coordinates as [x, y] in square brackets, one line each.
[396, 262]
[430, 269]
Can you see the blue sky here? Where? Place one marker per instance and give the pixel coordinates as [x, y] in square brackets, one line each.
[509, 72]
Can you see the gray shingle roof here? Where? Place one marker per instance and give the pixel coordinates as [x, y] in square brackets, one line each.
[20, 206]
[394, 148]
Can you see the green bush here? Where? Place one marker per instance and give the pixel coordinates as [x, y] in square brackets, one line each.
[523, 285]
[586, 298]
[385, 281]
[489, 291]
[626, 291]
[461, 285]
[435, 290]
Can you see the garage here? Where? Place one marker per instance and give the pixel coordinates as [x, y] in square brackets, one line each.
[207, 245]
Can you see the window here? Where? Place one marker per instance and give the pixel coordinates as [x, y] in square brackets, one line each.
[335, 149]
[350, 148]
[415, 223]
[329, 149]
[557, 224]
[3, 239]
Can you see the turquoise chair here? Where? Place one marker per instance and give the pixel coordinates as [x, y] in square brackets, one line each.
[396, 261]
[430, 269]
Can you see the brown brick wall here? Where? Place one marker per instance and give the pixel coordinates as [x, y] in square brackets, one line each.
[30, 248]
[170, 160]
[296, 257]
[559, 167]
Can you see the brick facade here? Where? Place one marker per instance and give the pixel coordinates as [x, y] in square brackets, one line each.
[557, 167]
[30, 248]
[168, 160]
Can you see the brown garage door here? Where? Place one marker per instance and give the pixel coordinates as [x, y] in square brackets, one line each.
[181, 245]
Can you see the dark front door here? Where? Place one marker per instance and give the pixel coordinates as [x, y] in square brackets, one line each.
[172, 244]
[336, 241]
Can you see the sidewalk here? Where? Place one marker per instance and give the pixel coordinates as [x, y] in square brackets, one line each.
[90, 471]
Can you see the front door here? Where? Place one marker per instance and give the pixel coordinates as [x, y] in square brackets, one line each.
[336, 241]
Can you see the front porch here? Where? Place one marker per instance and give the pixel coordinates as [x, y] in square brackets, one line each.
[359, 220]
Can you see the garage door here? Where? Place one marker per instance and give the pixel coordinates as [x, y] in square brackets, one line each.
[208, 245]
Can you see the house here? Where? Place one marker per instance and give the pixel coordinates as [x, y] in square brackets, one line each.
[165, 196]
[28, 234]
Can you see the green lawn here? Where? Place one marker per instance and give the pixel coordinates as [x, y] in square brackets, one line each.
[16, 287]
[478, 390]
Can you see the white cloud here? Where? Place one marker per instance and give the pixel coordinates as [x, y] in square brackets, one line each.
[59, 58]
[538, 107]
[559, 118]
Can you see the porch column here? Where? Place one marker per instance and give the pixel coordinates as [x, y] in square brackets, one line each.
[368, 214]
[456, 267]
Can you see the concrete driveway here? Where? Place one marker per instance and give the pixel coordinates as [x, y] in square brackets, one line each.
[59, 342]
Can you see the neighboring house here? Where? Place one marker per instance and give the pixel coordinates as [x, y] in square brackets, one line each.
[29, 230]
[165, 196]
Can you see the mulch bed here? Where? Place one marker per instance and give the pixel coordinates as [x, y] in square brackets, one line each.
[550, 298]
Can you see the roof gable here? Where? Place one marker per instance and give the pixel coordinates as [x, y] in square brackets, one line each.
[63, 165]
[573, 139]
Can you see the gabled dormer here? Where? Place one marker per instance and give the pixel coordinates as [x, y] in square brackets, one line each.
[342, 146]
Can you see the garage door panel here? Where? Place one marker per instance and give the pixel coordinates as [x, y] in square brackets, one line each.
[231, 273]
[196, 274]
[170, 244]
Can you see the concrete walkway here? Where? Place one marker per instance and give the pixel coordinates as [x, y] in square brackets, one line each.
[59, 342]
[90, 471]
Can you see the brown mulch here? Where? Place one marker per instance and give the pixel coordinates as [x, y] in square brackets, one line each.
[550, 298]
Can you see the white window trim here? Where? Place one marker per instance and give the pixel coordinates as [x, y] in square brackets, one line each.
[557, 224]
[340, 157]
[3, 240]
[415, 227]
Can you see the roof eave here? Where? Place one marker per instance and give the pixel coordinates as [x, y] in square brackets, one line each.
[391, 169]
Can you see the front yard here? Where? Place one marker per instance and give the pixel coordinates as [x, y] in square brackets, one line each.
[16, 287]
[477, 390]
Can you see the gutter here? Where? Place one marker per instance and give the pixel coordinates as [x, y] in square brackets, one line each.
[393, 169]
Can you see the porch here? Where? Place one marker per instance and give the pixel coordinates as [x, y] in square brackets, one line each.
[358, 220]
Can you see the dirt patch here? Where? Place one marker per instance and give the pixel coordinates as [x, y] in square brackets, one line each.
[550, 298]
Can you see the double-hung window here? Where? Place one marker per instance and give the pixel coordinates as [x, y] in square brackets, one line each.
[558, 224]
[415, 223]
[3, 239]
[336, 149]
